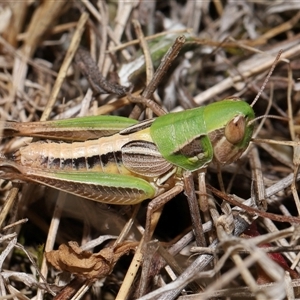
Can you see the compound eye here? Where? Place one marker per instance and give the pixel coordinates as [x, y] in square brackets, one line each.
[235, 129]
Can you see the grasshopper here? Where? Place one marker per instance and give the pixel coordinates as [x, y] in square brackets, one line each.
[118, 160]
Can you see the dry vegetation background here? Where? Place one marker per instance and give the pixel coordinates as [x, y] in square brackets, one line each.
[230, 46]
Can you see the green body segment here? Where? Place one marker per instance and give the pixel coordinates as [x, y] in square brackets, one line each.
[74, 129]
[106, 188]
[180, 136]
[104, 122]
[173, 131]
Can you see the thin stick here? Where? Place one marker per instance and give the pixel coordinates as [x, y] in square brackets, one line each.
[65, 65]
[164, 66]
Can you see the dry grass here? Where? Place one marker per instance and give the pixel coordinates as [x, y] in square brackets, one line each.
[230, 47]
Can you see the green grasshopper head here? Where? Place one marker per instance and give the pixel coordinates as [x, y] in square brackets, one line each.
[229, 128]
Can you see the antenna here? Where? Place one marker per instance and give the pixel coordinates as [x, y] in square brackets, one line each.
[267, 78]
